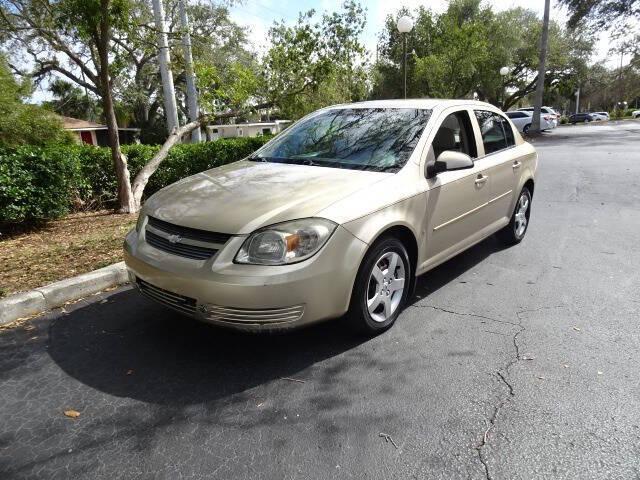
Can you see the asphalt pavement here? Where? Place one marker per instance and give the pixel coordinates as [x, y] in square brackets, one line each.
[517, 363]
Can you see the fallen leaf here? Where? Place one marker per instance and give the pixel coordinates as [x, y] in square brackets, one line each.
[577, 329]
[528, 358]
[600, 373]
[129, 372]
[71, 413]
[540, 378]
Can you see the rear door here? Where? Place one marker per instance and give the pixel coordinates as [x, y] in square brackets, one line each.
[502, 164]
[456, 200]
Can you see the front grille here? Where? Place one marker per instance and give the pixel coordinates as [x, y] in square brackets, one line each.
[178, 302]
[252, 316]
[183, 249]
[187, 232]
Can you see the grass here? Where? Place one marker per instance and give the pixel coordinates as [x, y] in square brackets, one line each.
[60, 249]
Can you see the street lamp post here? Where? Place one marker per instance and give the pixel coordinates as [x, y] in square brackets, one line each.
[504, 71]
[405, 25]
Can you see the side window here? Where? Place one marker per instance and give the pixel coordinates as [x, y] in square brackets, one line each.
[493, 134]
[508, 131]
[455, 133]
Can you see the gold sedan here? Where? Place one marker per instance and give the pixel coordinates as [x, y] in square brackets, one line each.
[336, 216]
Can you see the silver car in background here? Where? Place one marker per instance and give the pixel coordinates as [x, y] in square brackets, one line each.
[522, 119]
[548, 112]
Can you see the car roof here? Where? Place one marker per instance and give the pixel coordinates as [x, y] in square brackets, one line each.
[419, 103]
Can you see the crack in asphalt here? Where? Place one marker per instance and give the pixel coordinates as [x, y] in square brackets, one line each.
[503, 375]
[464, 314]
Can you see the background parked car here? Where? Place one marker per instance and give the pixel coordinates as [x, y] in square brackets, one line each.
[580, 117]
[522, 120]
[600, 116]
[636, 114]
[544, 110]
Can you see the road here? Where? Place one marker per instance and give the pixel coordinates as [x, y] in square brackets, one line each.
[518, 363]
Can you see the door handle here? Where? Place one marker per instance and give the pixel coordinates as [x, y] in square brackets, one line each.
[516, 164]
[481, 179]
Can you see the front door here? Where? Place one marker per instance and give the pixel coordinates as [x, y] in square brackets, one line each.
[456, 200]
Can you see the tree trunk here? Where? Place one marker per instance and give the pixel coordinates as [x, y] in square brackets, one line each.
[537, 106]
[142, 178]
[126, 203]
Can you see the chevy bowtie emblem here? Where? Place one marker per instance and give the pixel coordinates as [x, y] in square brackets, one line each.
[174, 238]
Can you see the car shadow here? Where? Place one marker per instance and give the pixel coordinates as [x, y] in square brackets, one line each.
[128, 346]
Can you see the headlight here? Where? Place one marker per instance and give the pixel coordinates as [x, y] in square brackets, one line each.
[286, 243]
[140, 222]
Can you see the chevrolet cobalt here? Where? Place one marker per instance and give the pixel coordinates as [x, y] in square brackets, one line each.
[336, 216]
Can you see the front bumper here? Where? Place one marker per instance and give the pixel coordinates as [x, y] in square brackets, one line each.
[249, 297]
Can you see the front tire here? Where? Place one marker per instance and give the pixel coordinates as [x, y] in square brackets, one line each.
[381, 287]
[514, 232]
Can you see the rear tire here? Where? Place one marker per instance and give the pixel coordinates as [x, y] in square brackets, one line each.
[514, 232]
[381, 288]
[525, 130]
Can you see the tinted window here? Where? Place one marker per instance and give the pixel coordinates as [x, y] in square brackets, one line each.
[508, 131]
[516, 115]
[455, 134]
[493, 135]
[380, 139]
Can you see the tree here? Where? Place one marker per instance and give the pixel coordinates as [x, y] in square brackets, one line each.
[94, 43]
[314, 61]
[601, 12]
[82, 32]
[461, 51]
[24, 124]
[71, 101]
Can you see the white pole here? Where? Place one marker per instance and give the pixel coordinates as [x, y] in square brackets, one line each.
[578, 101]
[168, 90]
[537, 106]
[192, 93]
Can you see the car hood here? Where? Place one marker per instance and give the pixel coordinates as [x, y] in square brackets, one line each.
[243, 196]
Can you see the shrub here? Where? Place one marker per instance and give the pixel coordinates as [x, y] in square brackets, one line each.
[39, 183]
[564, 120]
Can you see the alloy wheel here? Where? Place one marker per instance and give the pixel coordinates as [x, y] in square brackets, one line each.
[386, 286]
[521, 219]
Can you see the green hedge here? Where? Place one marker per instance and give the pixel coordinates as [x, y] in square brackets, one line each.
[40, 183]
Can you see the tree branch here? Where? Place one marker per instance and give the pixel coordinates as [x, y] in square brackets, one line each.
[140, 182]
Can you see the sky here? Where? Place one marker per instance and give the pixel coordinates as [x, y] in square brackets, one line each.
[259, 15]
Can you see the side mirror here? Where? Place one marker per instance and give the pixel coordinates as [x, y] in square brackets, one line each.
[451, 160]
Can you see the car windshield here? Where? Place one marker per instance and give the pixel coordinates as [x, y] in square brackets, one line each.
[378, 139]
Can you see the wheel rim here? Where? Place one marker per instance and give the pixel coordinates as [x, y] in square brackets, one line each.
[521, 215]
[386, 286]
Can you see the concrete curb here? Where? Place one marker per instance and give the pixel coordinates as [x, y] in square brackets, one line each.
[57, 294]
